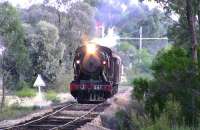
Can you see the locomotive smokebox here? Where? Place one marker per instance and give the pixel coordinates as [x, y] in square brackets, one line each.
[91, 64]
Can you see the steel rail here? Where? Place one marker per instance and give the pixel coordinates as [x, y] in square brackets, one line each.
[64, 107]
[78, 118]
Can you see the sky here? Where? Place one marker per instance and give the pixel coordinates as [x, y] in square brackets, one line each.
[27, 3]
[23, 3]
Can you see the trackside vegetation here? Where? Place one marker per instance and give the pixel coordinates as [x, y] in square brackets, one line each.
[26, 92]
[175, 87]
[169, 101]
[51, 95]
[15, 111]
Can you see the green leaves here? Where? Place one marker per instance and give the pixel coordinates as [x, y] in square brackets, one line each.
[175, 80]
[47, 32]
[171, 63]
[16, 55]
[140, 87]
[44, 50]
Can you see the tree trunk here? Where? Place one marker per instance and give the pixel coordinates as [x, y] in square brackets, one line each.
[59, 18]
[191, 22]
[199, 17]
[3, 95]
[3, 85]
[199, 20]
[5, 76]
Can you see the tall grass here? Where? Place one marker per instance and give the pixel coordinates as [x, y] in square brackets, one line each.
[26, 92]
[11, 112]
[129, 120]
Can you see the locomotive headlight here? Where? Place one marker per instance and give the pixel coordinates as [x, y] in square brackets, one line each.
[91, 48]
[78, 62]
[104, 62]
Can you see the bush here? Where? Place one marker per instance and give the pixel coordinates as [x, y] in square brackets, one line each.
[22, 84]
[176, 79]
[160, 124]
[163, 124]
[52, 95]
[26, 92]
[124, 121]
[140, 86]
[130, 120]
[14, 112]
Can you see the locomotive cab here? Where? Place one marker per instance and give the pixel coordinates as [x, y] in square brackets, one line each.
[97, 72]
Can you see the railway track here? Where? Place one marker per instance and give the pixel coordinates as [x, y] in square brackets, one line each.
[64, 117]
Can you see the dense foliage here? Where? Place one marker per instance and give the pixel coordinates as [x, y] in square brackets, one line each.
[173, 93]
[42, 40]
[45, 51]
[188, 26]
[136, 62]
[174, 81]
[16, 57]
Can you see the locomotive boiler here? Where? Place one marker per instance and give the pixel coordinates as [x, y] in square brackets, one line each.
[97, 72]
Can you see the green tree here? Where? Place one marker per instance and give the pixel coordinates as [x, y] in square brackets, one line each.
[15, 56]
[136, 62]
[153, 22]
[76, 21]
[188, 9]
[174, 81]
[15, 61]
[45, 51]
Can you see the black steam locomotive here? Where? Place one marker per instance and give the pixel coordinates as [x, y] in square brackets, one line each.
[97, 72]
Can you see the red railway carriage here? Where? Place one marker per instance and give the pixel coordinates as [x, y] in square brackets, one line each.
[97, 72]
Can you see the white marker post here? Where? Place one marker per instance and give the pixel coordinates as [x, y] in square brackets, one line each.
[39, 82]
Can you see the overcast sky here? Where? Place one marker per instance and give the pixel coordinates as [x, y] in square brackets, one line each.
[27, 3]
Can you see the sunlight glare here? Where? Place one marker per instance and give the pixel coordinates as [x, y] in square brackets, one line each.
[91, 48]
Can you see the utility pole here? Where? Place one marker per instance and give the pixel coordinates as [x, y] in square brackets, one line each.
[3, 85]
[141, 38]
[140, 47]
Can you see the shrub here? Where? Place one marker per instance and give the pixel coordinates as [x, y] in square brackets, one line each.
[22, 84]
[26, 92]
[162, 123]
[140, 86]
[176, 79]
[124, 121]
[159, 124]
[14, 112]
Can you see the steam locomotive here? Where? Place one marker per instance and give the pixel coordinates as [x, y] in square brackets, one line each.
[97, 72]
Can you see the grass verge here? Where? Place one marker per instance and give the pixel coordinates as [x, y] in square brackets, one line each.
[12, 112]
[26, 92]
[51, 95]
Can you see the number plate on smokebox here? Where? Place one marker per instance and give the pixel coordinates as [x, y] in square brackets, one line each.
[82, 87]
[95, 87]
